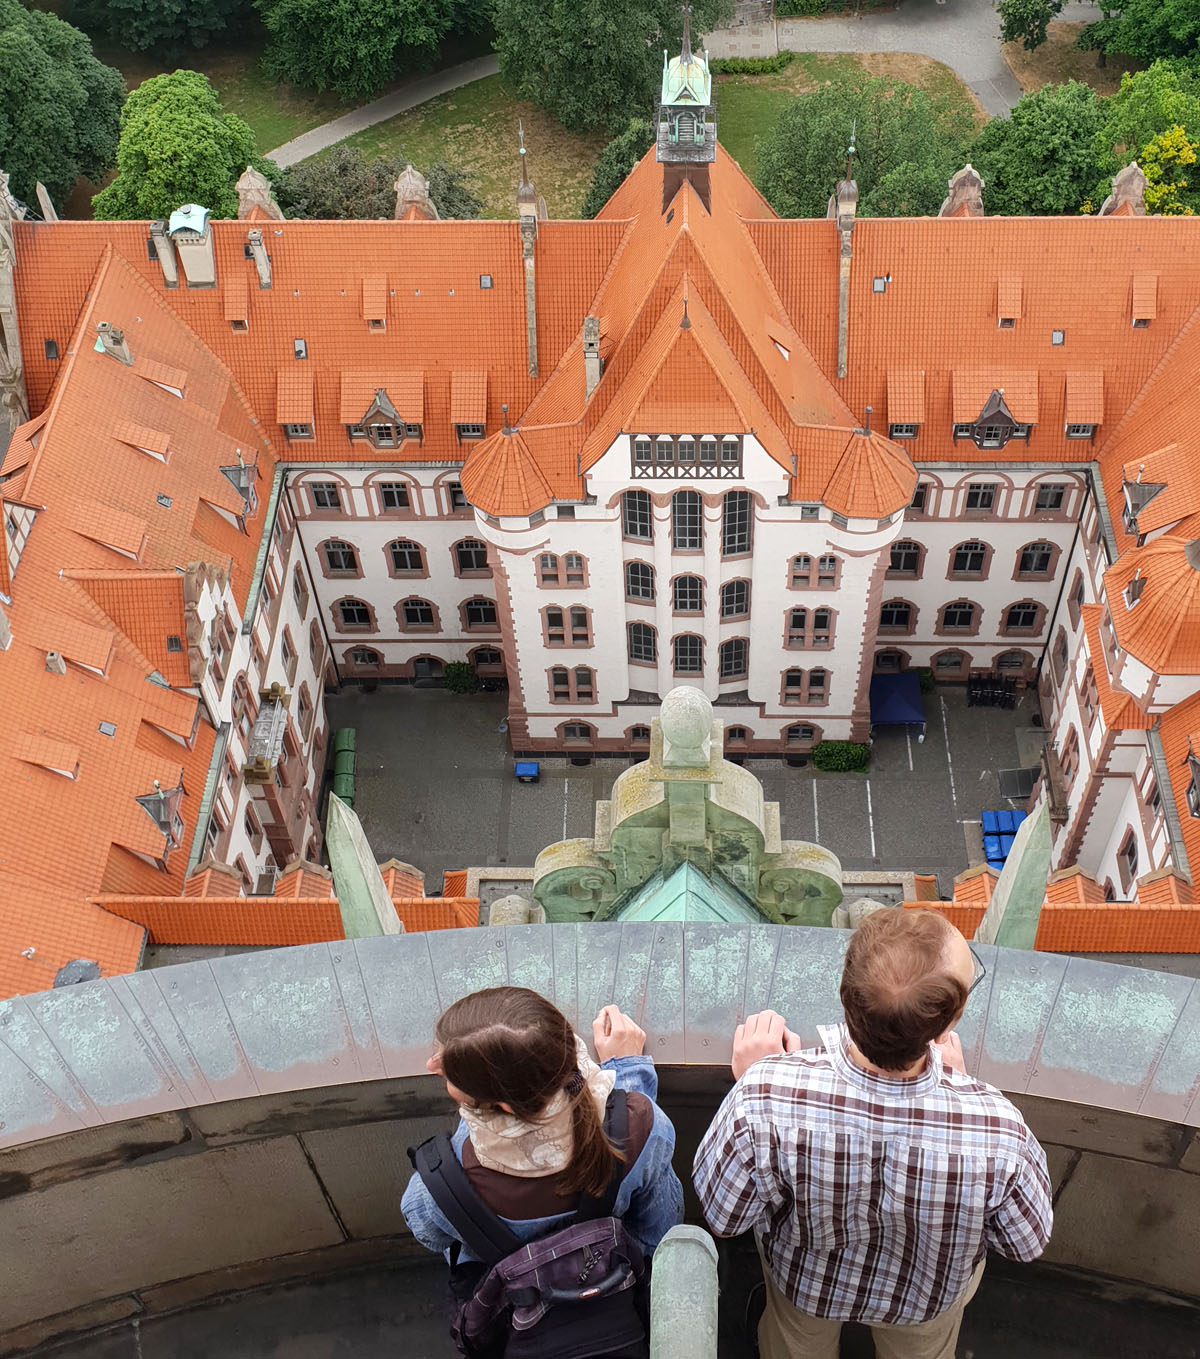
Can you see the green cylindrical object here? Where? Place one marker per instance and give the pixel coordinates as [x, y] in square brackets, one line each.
[345, 738]
[343, 762]
[343, 786]
[683, 1296]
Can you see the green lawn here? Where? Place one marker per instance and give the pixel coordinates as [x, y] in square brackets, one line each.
[475, 130]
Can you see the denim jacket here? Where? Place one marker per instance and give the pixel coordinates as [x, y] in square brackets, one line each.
[649, 1201]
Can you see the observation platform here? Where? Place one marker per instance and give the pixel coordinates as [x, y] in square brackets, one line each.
[235, 1129]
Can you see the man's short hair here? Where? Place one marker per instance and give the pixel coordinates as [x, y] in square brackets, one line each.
[897, 990]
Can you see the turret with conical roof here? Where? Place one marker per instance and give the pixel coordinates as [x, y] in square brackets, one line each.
[687, 138]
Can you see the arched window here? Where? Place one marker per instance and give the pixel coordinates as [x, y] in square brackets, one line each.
[316, 645]
[1127, 861]
[1023, 617]
[1036, 559]
[736, 735]
[470, 557]
[486, 656]
[896, 615]
[479, 613]
[735, 599]
[340, 558]
[636, 515]
[1010, 661]
[639, 581]
[578, 732]
[734, 659]
[354, 613]
[418, 613]
[643, 643]
[687, 594]
[689, 654]
[800, 734]
[969, 558]
[406, 557]
[639, 735]
[548, 568]
[687, 521]
[735, 523]
[300, 591]
[958, 617]
[905, 558]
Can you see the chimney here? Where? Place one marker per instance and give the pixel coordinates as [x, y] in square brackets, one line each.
[843, 207]
[191, 232]
[55, 663]
[165, 253]
[592, 366]
[529, 208]
[111, 340]
[1128, 197]
[965, 197]
[254, 191]
[262, 261]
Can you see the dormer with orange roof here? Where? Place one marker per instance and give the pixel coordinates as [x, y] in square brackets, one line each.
[1154, 602]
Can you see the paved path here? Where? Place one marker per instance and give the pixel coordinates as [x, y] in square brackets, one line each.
[380, 110]
[963, 34]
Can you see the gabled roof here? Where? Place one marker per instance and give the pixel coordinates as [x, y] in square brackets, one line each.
[1121, 712]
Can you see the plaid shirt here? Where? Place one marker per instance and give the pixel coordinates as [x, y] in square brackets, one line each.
[872, 1198]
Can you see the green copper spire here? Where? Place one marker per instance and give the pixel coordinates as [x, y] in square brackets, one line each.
[687, 82]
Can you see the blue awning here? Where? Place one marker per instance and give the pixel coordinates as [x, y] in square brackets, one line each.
[896, 700]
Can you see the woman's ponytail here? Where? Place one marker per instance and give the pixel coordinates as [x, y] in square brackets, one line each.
[592, 1154]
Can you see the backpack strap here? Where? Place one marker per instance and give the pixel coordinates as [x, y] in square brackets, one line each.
[616, 1129]
[483, 1232]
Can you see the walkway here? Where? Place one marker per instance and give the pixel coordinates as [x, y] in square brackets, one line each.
[962, 34]
[380, 110]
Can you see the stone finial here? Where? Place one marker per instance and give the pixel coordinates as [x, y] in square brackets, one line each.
[412, 196]
[686, 718]
[254, 191]
[10, 209]
[965, 196]
[5, 631]
[1128, 195]
[516, 910]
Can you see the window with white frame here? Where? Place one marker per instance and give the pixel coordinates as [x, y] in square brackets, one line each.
[406, 557]
[480, 613]
[905, 558]
[958, 616]
[458, 499]
[981, 495]
[340, 558]
[418, 613]
[1035, 559]
[810, 627]
[576, 684]
[393, 495]
[969, 558]
[354, 613]
[896, 614]
[471, 556]
[325, 495]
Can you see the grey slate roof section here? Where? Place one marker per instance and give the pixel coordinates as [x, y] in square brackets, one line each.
[327, 1014]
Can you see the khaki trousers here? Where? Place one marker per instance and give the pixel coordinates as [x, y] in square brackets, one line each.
[787, 1333]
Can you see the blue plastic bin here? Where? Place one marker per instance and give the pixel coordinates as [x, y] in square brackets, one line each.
[1018, 817]
[992, 847]
[1006, 822]
[527, 771]
[997, 864]
[991, 823]
[1006, 843]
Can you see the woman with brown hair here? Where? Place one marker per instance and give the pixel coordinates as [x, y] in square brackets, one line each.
[531, 1138]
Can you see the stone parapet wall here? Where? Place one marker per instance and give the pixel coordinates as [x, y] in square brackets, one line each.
[178, 1134]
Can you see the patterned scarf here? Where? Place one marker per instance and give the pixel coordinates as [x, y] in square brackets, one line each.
[504, 1142]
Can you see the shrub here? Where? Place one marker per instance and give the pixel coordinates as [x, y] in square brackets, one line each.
[807, 9]
[460, 677]
[842, 756]
[925, 677]
[752, 65]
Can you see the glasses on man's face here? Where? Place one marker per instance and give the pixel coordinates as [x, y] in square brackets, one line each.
[980, 971]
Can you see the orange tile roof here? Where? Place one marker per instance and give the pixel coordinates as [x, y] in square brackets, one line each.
[905, 396]
[1165, 888]
[1173, 467]
[294, 396]
[404, 390]
[1121, 712]
[152, 441]
[38, 748]
[972, 387]
[1162, 628]
[468, 398]
[374, 298]
[1084, 403]
[874, 478]
[454, 882]
[1071, 886]
[148, 608]
[502, 476]
[1180, 733]
[237, 298]
[1008, 296]
[1145, 297]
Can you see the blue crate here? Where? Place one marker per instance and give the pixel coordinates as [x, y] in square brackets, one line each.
[992, 847]
[1006, 822]
[991, 823]
[1006, 844]
[1018, 817]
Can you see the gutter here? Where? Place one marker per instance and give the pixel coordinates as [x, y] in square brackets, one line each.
[209, 796]
[1162, 777]
[264, 551]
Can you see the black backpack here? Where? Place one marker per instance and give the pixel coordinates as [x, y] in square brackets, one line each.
[579, 1293]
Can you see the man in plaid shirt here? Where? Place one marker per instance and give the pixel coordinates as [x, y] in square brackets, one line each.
[874, 1172]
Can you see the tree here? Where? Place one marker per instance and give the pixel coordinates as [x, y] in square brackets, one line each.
[593, 64]
[1163, 160]
[345, 184]
[1147, 29]
[1025, 21]
[1147, 104]
[59, 107]
[170, 27]
[616, 163]
[907, 144]
[178, 146]
[1041, 159]
[354, 47]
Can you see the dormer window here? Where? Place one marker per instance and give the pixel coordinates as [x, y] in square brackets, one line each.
[1193, 788]
[1144, 306]
[1133, 591]
[1009, 300]
[162, 806]
[903, 431]
[1138, 494]
[470, 431]
[297, 431]
[1081, 431]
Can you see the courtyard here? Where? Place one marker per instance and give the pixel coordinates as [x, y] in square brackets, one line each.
[435, 785]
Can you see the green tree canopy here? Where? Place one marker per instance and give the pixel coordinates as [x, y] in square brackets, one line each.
[1041, 160]
[907, 145]
[1025, 21]
[1148, 103]
[1147, 29]
[345, 184]
[593, 64]
[170, 27]
[59, 107]
[355, 47]
[177, 146]
[1167, 161]
[616, 163]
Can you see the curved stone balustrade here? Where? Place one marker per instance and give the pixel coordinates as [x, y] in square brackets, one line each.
[179, 1133]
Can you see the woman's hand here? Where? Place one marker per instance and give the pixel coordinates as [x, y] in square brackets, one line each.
[614, 1034]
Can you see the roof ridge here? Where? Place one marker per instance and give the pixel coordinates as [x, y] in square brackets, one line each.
[1143, 391]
